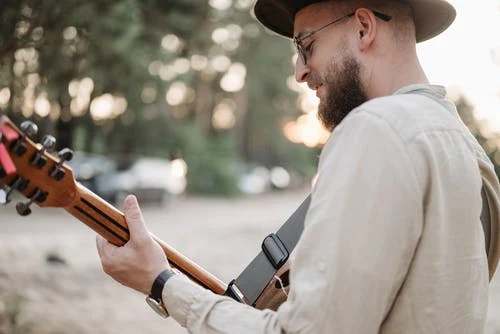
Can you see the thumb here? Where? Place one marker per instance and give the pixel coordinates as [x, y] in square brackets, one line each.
[135, 221]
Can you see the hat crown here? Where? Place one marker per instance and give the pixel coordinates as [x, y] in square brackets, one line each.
[431, 17]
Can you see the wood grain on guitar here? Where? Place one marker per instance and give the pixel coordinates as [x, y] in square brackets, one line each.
[46, 181]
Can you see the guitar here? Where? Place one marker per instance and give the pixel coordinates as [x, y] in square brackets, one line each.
[28, 167]
[45, 180]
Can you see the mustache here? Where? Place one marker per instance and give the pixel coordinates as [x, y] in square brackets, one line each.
[314, 81]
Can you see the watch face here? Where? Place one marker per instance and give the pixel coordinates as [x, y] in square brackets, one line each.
[157, 307]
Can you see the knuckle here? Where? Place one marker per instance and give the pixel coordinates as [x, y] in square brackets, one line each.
[141, 240]
[136, 215]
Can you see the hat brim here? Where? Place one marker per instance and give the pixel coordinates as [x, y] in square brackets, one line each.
[431, 17]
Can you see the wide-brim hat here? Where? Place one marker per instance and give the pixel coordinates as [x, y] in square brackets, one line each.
[431, 16]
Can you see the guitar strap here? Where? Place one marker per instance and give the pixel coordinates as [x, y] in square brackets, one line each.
[276, 249]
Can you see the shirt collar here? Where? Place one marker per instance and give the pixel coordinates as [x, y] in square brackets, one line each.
[424, 89]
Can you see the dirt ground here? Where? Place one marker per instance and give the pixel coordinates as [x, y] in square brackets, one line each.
[71, 294]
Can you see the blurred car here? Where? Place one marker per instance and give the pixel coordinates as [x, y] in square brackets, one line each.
[88, 168]
[257, 179]
[150, 179]
[253, 179]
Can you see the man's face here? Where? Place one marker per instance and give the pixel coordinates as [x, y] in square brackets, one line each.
[331, 69]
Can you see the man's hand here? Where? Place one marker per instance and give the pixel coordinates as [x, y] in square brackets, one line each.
[137, 263]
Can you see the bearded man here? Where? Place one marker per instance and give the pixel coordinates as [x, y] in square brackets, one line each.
[392, 241]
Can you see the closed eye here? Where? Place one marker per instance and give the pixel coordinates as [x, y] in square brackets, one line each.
[308, 47]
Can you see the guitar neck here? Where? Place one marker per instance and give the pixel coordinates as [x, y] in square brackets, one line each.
[110, 223]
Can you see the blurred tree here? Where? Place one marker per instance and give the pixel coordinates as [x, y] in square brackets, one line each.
[178, 77]
[489, 144]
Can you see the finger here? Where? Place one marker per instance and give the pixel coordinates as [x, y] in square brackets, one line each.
[135, 221]
[101, 244]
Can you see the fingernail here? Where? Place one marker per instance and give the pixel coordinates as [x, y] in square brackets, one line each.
[130, 200]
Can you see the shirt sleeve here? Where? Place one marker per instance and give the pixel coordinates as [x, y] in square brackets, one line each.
[360, 234]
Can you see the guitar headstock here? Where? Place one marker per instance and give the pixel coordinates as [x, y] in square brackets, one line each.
[30, 169]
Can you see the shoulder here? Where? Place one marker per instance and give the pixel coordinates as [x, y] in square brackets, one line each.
[361, 132]
[407, 115]
[391, 127]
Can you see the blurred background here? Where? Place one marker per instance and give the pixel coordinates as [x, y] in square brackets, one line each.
[179, 100]
[200, 85]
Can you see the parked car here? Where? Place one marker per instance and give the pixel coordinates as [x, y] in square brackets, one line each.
[88, 168]
[257, 179]
[150, 179]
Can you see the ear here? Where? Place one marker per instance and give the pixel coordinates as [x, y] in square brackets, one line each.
[366, 27]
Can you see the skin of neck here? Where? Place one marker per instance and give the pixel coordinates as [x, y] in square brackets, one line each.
[388, 60]
[387, 67]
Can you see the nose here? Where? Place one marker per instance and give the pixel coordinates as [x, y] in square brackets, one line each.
[301, 70]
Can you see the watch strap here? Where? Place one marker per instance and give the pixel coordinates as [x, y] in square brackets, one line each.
[159, 283]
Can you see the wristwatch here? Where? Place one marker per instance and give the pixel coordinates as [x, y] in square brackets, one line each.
[154, 299]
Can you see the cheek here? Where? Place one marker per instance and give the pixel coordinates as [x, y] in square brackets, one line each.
[322, 59]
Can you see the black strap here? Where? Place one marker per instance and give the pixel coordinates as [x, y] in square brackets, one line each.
[277, 247]
[275, 251]
[159, 283]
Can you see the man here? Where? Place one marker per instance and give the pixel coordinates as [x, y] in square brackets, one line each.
[393, 241]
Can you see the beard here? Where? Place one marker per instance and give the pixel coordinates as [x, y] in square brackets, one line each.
[343, 91]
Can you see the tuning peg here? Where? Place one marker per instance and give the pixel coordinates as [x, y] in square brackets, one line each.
[48, 143]
[19, 184]
[65, 154]
[28, 129]
[23, 208]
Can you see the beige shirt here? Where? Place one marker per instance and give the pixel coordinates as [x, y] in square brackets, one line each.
[392, 242]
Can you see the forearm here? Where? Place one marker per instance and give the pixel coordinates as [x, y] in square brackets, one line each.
[202, 311]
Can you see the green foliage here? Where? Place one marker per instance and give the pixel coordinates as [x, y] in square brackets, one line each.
[212, 163]
[46, 45]
[490, 146]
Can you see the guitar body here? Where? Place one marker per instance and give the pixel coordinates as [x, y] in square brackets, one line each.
[276, 292]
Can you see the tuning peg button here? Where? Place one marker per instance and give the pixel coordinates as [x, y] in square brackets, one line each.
[23, 208]
[38, 160]
[48, 142]
[19, 183]
[29, 129]
[57, 172]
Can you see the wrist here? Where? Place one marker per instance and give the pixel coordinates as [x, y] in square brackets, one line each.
[154, 299]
